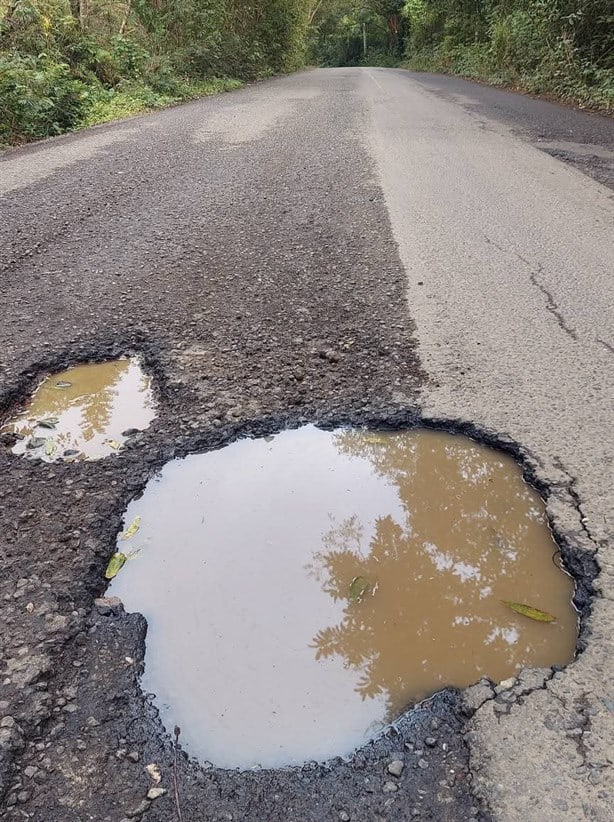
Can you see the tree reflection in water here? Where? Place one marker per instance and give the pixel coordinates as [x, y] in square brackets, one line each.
[472, 534]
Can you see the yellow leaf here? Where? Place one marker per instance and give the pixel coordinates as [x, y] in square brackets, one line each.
[113, 444]
[358, 588]
[131, 529]
[529, 611]
[50, 447]
[116, 563]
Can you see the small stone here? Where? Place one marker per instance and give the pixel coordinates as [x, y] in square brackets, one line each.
[155, 793]
[396, 767]
[422, 763]
[133, 756]
[108, 605]
[23, 796]
[430, 741]
[329, 354]
[7, 722]
[390, 787]
[505, 685]
[30, 771]
[344, 816]
[120, 753]
[139, 809]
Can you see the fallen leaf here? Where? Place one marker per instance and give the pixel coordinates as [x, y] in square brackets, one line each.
[113, 444]
[154, 772]
[358, 588]
[50, 447]
[131, 529]
[529, 611]
[116, 563]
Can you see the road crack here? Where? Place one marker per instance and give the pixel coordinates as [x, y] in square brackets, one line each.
[551, 304]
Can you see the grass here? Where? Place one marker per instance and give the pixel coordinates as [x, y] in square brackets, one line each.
[133, 98]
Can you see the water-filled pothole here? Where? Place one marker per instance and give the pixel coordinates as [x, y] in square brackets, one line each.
[88, 411]
[302, 590]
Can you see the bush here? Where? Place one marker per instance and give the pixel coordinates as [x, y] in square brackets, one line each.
[38, 98]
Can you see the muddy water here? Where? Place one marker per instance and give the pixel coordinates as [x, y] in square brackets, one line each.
[84, 411]
[301, 592]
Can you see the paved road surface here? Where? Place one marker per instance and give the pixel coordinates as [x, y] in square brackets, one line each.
[352, 244]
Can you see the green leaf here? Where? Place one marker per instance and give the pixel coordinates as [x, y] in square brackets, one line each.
[116, 563]
[50, 447]
[358, 588]
[131, 529]
[529, 611]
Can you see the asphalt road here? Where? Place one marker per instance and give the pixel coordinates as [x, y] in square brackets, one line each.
[360, 245]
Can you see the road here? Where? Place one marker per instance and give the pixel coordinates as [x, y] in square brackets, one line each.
[343, 245]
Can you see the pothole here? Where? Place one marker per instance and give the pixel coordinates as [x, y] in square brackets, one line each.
[86, 412]
[303, 590]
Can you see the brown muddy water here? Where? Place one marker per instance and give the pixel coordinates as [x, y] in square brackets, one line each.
[303, 590]
[84, 412]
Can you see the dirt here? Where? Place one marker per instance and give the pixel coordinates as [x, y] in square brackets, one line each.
[260, 294]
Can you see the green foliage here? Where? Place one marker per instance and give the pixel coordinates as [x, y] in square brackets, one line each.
[563, 47]
[38, 97]
[357, 32]
[64, 63]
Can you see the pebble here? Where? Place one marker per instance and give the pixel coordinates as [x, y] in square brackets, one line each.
[396, 767]
[422, 763]
[390, 787]
[133, 756]
[155, 793]
[344, 816]
[30, 771]
[430, 741]
[139, 809]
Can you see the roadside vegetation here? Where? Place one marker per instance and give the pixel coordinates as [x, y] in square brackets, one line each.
[65, 64]
[563, 48]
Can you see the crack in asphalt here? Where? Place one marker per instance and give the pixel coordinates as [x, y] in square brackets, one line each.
[551, 304]
[605, 344]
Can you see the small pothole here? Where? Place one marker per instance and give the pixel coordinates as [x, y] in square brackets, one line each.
[303, 590]
[88, 412]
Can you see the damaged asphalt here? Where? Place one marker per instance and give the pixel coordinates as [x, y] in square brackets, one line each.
[327, 247]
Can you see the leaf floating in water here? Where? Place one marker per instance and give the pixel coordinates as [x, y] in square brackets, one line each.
[116, 563]
[358, 588]
[50, 447]
[529, 611]
[114, 444]
[131, 529]
[49, 422]
[63, 384]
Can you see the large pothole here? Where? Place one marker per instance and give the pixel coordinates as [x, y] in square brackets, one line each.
[303, 590]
